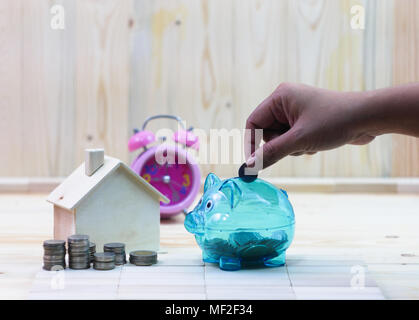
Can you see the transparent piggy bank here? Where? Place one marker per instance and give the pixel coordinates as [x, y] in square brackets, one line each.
[239, 224]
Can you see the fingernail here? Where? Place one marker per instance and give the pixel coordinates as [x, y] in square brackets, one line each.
[251, 161]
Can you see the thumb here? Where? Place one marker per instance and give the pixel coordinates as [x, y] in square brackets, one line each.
[273, 151]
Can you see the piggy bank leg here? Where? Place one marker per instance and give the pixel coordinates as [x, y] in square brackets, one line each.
[207, 258]
[277, 261]
[230, 263]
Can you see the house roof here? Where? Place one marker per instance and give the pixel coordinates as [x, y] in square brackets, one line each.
[78, 185]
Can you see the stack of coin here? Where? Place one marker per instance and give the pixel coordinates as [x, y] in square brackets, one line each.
[92, 251]
[54, 254]
[119, 250]
[78, 252]
[104, 261]
[143, 257]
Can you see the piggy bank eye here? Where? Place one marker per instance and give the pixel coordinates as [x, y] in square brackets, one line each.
[200, 202]
[209, 205]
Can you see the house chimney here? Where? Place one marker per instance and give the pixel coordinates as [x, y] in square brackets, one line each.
[94, 160]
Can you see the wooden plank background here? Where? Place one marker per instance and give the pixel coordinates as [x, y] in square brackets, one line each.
[208, 61]
[406, 69]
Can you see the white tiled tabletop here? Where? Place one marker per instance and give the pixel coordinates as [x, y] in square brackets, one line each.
[181, 274]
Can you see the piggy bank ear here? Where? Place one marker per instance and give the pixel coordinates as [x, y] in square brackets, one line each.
[210, 181]
[232, 191]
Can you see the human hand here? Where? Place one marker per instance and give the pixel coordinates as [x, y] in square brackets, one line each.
[298, 119]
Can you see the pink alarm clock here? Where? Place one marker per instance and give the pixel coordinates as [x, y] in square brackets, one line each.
[178, 181]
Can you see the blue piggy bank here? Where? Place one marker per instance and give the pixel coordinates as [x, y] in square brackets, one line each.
[238, 223]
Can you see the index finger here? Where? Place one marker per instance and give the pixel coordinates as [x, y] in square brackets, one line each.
[261, 118]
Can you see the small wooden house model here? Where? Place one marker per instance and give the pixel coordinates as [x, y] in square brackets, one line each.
[106, 200]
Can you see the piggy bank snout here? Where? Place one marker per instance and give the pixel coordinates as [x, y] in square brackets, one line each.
[194, 222]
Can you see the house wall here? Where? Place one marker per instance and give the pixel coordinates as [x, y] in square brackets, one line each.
[64, 223]
[119, 210]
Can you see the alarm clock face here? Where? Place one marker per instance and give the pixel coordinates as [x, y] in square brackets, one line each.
[178, 181]
[172, 180]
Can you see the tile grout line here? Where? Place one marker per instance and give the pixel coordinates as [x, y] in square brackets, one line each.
[377, 285]
[119, 282]
[205, 281]
[289, 278]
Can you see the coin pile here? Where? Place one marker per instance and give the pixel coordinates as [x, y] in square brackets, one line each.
[143, 257]
[92, 251]
[54, 254]
[78, 252]
[119, 250]
[249, 247]
[104, 261]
